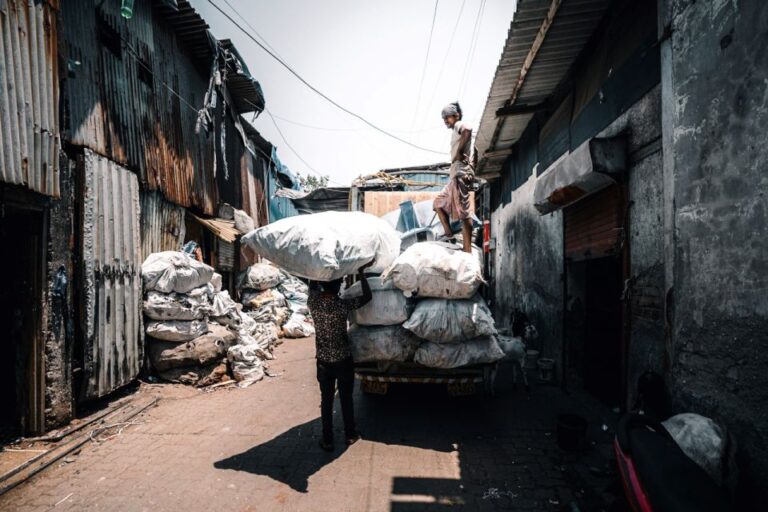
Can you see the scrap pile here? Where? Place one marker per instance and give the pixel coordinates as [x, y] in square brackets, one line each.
[273, 297]
[196, 333]
[449, 325]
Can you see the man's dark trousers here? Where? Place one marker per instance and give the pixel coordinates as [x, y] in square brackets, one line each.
[328, 374]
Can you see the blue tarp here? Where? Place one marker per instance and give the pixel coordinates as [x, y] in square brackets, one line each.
[280, 175]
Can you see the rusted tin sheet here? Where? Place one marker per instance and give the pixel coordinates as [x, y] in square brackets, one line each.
[254, 200]
[111, 260]
[162, 224]
[29, 103]
[132, 94]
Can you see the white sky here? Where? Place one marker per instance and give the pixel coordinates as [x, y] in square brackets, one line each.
[368, 56]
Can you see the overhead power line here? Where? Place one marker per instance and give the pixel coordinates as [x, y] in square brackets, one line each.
[472, 47]
[313, 88]
[426, 62]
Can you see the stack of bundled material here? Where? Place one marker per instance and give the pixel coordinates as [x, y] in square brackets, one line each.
[194, 327]
[453, 321]
[276, 298]
[376, 332]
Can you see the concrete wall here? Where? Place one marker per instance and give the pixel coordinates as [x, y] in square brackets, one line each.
[59, 310]
[528, 268]
[716, 83]
[642, 126]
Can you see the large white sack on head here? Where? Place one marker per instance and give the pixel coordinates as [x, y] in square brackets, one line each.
[702, 440]
[176, 306]
[388, 305]
[297, 326]
[173, 271]
[259, 276]
[177, 330]
[436, 269]
[478, 351]
[451, 321]
[327, 246]
[382, 343]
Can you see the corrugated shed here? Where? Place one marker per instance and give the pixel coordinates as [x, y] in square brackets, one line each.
[111, 268]
[29, 103]
[254, 200]
[133, 92]
[528, 87]
[162, 225]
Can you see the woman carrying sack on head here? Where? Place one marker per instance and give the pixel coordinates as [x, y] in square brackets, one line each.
[453, 202]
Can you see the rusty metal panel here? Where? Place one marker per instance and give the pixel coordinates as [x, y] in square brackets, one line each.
[111, 259]
[29, 103]
[225, 255]
[132, 94]
[593, 226]
[162, 224]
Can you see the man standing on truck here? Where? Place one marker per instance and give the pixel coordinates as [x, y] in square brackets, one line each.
[453, 202]
[334, 357]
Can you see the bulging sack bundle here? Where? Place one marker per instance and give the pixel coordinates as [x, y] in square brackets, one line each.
[297, 326]
[326, 246]
[451, 321]
[436, 269]
[257, 300]
[259, 276]
[173, 271]
[382, 343]
[176, 306]
[388, 305]
[177, 330]
[478, 351]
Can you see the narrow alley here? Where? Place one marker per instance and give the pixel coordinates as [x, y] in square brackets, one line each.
[256, 449]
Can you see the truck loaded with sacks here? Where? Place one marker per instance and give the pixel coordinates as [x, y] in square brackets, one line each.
[426, 321]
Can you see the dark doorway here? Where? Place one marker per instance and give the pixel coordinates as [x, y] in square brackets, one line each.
[603, 329]
[21, 371]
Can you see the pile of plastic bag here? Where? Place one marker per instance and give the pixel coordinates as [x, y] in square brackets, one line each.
[426, 309]
[272, 296]
[196, 333]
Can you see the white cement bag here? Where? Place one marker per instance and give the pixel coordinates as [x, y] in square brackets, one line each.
[173, 271]
[702, 440]
[177, 330]
[478, 351]
[257, 300]
[246, 363]
[259, 276]
[388, 305]
[451, 321]
[382, 343]
[222, 304]
[327, 246]
[297, 326]
[436, 269]
[176, 306]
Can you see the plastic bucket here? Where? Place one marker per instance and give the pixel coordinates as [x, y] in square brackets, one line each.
[571, 431]
[546, 369]
[531, 357]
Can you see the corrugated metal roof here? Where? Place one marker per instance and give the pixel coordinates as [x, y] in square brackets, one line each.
[245, 90]
[29, 99]
[222, 228]
[514, 85]
[191, 30]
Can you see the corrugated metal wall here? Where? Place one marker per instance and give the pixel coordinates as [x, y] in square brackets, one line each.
[29, 103]
[119, 100]
[111, 260]
[254, 202]
[162, 224]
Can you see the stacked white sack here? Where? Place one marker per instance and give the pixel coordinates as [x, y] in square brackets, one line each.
[327, 246]
[382, 343]
[451, 321]
[388, 305]
[273, 296]
[436, 269]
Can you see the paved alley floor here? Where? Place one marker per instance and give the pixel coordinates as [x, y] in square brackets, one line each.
[256, 449]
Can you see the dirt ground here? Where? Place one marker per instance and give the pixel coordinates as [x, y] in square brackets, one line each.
[255, 449]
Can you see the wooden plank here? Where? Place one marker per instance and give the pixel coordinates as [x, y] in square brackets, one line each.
[382, 202]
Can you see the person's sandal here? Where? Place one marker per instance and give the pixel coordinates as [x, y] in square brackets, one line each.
[326, 446]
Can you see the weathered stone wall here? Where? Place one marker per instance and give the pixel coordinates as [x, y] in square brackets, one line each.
[529, 268]
[58, 317]
[717, 83]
